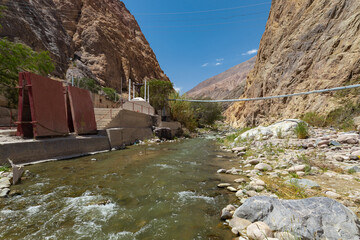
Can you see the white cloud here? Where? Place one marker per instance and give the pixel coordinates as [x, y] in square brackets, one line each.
[219, 59]
[178, 89]
[251, 52]
[218, 64]
[205, 65]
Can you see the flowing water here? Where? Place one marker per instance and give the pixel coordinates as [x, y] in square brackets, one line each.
[165, 191]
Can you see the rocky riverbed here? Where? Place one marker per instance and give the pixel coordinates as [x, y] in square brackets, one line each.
[319, 177]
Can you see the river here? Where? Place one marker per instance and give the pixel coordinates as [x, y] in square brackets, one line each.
[165, 191]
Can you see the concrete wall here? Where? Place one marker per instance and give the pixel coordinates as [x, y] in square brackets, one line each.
[56, 148]
[130, 119]
[126, 136]
[139, 106]
[100, 101]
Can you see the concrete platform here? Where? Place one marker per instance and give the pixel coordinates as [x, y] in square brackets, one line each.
[56, 148]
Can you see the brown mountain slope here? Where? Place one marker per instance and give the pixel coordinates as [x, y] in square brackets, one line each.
[310, 44]
[223, 84]
[100, 36]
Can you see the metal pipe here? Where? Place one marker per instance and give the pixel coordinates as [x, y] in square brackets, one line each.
[148, 94]
[145, 90]
[129, 89]
[133, 90]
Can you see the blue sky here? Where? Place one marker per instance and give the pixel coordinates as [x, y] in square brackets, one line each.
[196, 39]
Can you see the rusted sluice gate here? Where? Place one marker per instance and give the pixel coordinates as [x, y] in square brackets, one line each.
[46, 108]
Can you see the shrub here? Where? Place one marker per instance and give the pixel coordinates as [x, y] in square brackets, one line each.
[182, 112]
[88, 84]
[301, 130]
[110, 93]
[314, 119]
[343, 117]
[15, 58]
[206, 113]
[159, 93]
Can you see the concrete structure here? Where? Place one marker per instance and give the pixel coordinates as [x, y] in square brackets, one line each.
[119, 137]
[55, 148]
[139, 106]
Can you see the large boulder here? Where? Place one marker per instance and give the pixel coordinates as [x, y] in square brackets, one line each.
[311, 218]
[280, 129]
[163, 133]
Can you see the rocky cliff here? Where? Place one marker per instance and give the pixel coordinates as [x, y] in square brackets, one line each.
[86, 38]
[307, 45]
[224, 85]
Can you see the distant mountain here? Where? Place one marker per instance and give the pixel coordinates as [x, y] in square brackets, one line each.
[229, 84]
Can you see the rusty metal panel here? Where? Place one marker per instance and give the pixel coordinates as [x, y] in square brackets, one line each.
[82, 111]
[41, 109]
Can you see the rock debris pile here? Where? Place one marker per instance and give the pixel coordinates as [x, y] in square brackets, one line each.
[320, 177]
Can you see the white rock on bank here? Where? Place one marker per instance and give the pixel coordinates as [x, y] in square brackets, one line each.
[259, 231]
[238, 224]
[297, 168]
[263, 167]
[284, 128]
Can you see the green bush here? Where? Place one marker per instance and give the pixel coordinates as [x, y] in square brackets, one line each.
[15, 58]
[182, 112]
[301, 130]
[314, 119]
[206, 113]
[159, 93]
[88, 84]
[343, 117]
[110, 93]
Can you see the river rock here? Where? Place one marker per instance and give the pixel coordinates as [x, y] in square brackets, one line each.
[254, 161]
[223, 185]
[332, 194]
[259, 231]
[4, 183]
[263, 167]
[284, 236]
[238, 224]
[240, 180]
[4, 192]
[231, 189]
[239, 194]
[163, 133]
[297, 168]
[348, 138]
[353, 169]
[322, 217]
[17, 171]
[304, 183]
[251, 193]
[355, 155]
[226, 212]
[239, 149]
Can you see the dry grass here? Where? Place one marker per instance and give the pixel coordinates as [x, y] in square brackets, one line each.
[288, 191]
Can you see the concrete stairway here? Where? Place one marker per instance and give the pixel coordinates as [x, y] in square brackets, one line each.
[104, 116]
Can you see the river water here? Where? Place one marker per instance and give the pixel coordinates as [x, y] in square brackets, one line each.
[165, 191]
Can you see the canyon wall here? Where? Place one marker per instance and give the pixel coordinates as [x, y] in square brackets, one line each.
[86, 38]
[307, 45]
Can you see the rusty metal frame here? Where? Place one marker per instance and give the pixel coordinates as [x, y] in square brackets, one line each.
[41, 107]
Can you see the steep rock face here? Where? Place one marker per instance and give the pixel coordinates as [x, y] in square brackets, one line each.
[101, 38]
[38, 25]
[224, 84]
[307, 45]
[109, 41]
